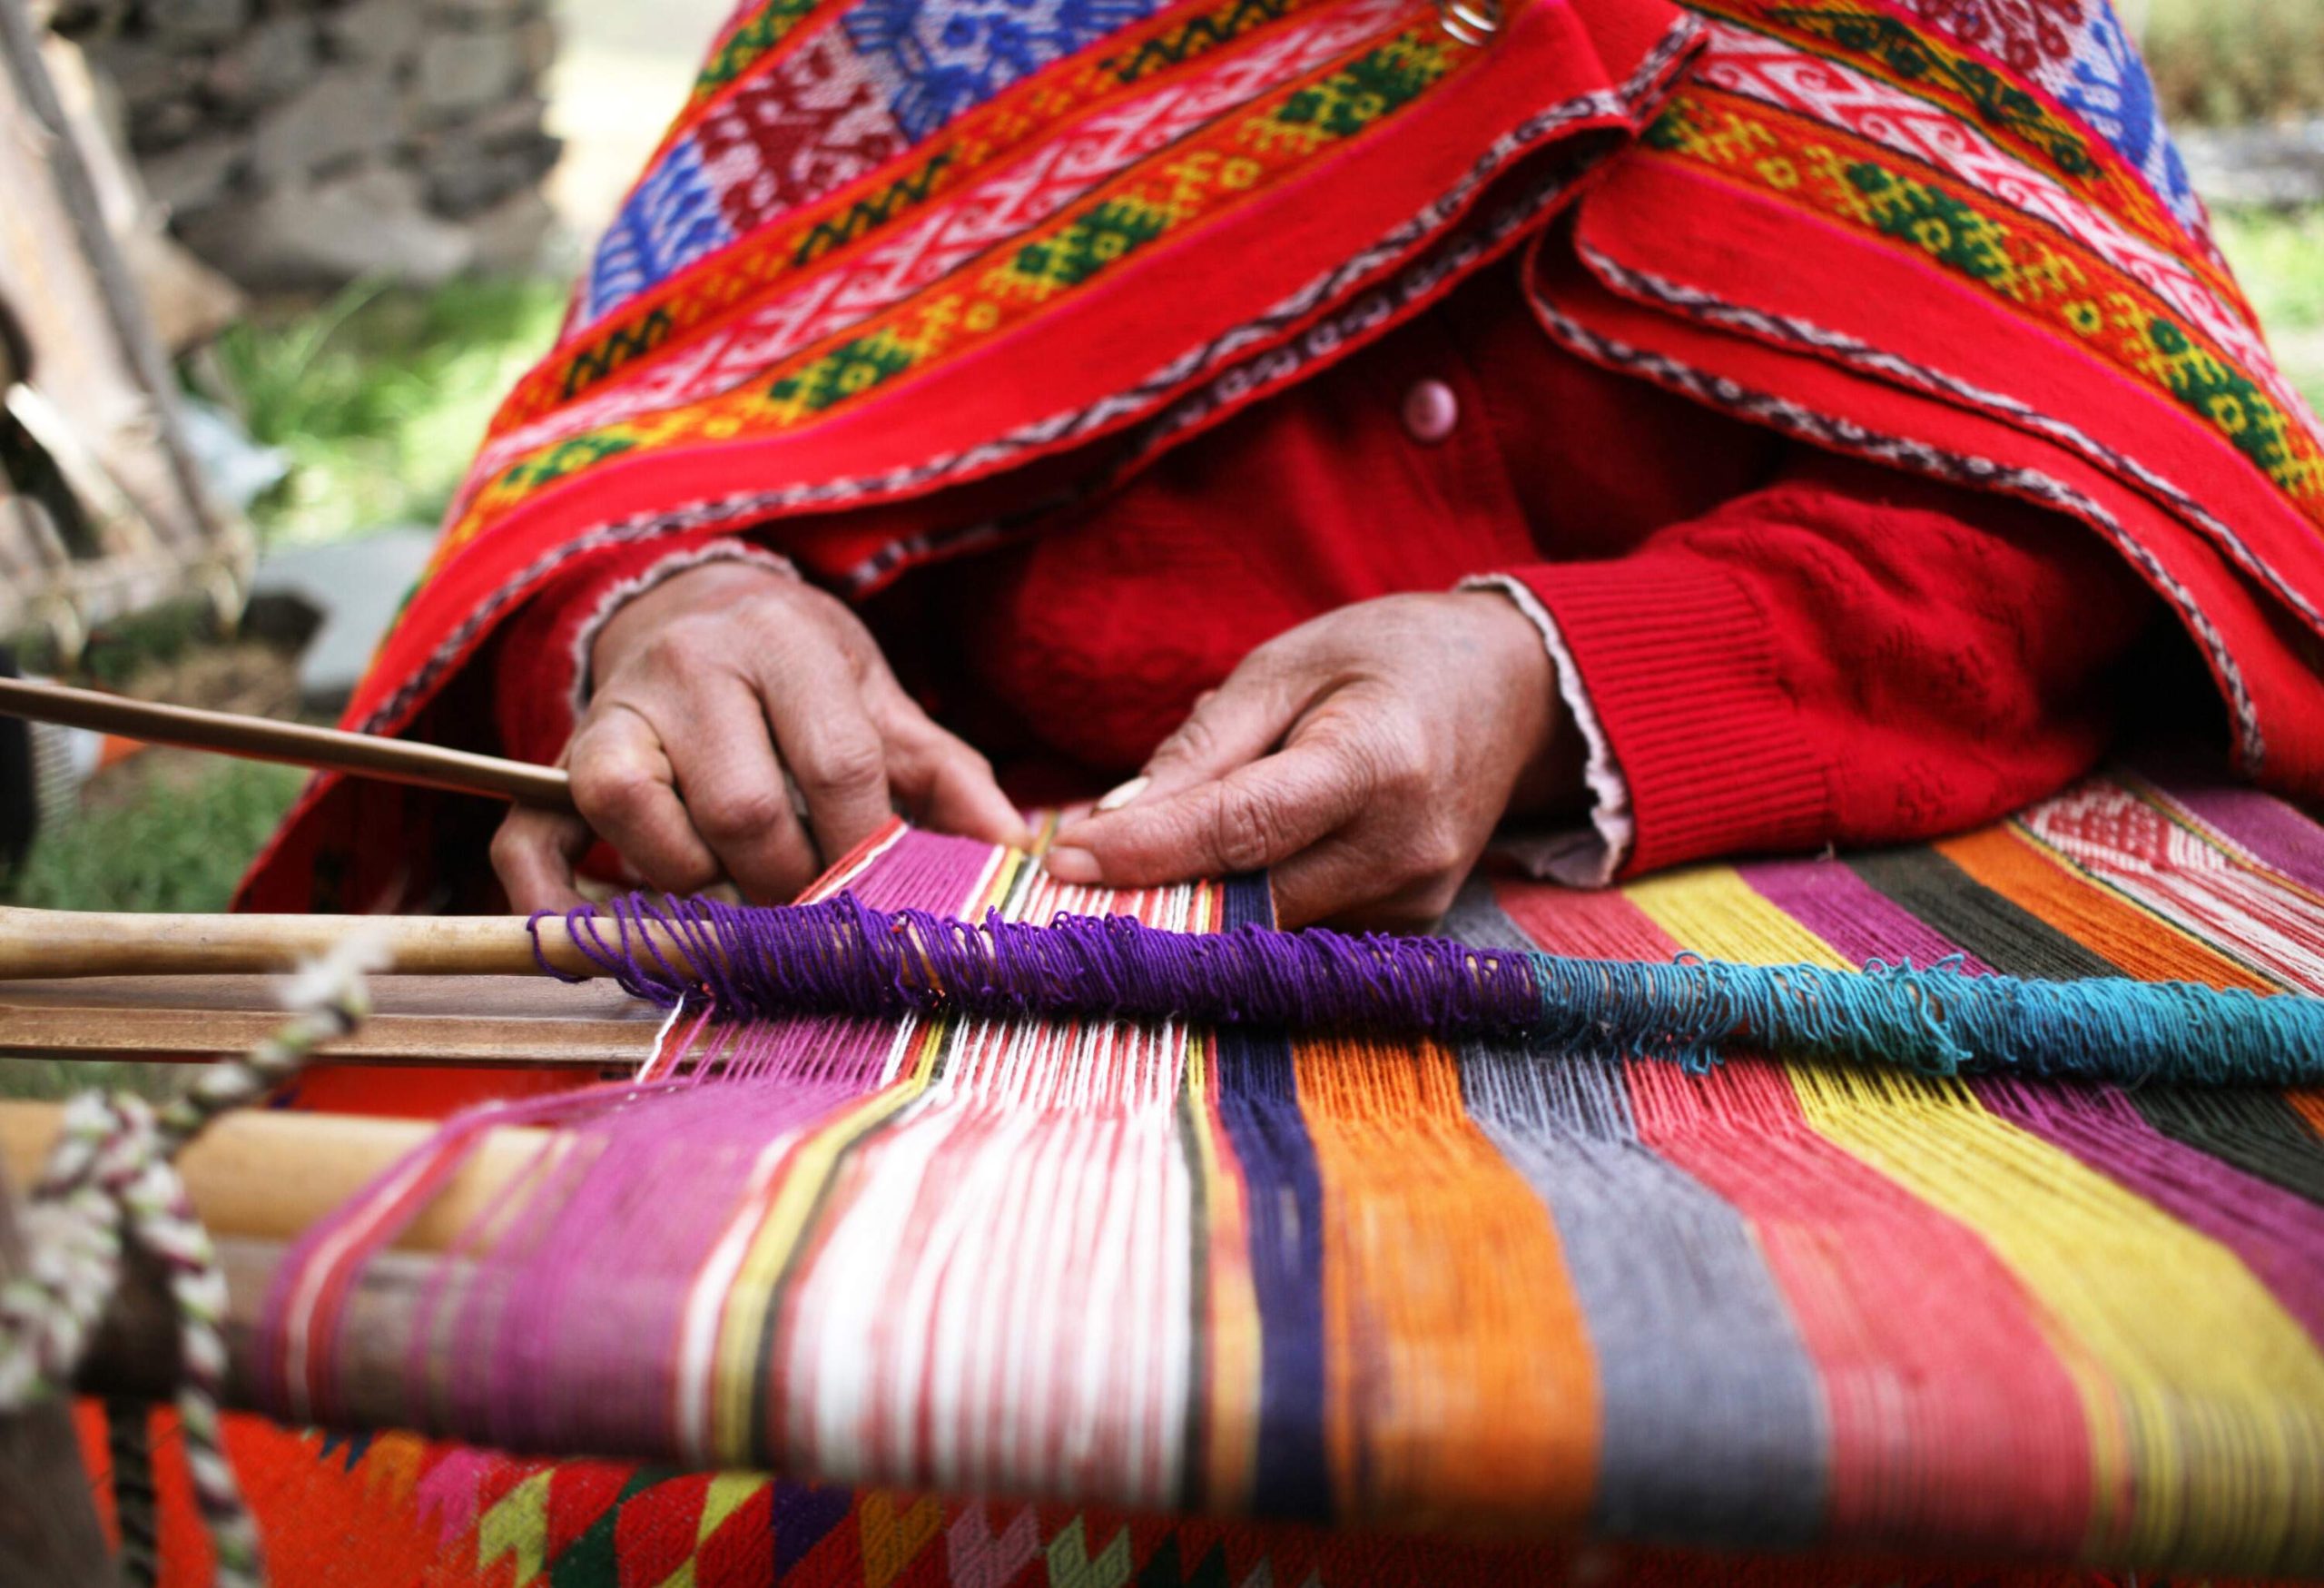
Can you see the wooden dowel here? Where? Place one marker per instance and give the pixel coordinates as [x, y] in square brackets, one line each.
[267, 1175]
[58, 1031]
[44, 943]
[257, 1181]
[295, 743]
[498, 1021]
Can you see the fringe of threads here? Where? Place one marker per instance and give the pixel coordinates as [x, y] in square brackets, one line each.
[841, 956]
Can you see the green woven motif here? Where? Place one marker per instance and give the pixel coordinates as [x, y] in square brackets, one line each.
[2230, 399]
[847, 370]
[568, 458]
[868, 214]
[1949, 231]
[1380, 84]
[1965, 239]
[620, 345]
[1195, 37]
[1113, 231]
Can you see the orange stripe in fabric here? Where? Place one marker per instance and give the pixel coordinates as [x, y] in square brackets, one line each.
[2311, 1106]
[1459, 1384]
[2142, 943]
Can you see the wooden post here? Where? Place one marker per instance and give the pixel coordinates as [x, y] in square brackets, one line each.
[49, 1531]
[99, 395]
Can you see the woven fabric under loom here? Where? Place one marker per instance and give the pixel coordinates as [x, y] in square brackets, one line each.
[1141, 1281]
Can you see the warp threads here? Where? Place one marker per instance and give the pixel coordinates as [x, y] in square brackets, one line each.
[843, 957]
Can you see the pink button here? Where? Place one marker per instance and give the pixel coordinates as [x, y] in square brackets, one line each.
[1431, 411]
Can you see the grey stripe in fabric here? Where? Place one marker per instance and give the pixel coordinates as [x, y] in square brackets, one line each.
[1714, 1428]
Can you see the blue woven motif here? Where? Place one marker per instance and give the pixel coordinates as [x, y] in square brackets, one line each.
[936, 58]
[2108, 86]
[672, 220]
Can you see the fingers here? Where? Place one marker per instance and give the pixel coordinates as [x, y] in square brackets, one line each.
[1230, 726]
[711, 714]
[947, 786]
[533, 853]
[626, 789]
[815, 701]
[1252, 818]
[1341, 884]
[733, 791]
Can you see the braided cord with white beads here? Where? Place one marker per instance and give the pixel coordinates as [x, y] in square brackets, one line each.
[111, 1181]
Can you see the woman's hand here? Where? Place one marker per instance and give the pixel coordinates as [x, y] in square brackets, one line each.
[1365, 757]
[710, 688]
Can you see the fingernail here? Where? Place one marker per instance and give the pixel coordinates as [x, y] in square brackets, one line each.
[1125, 793]
[1078, 866]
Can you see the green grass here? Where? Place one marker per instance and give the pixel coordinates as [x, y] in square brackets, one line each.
[164, 833]
[380, 396]
[2224, 62]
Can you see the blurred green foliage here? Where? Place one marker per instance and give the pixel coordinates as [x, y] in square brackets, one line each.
[2279, 258]
[2226, 62]
[380, 396]
[173, 834]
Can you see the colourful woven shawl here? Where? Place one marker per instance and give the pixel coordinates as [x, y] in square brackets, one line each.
[906, 274]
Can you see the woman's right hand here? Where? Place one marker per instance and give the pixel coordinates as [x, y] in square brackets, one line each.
[709, 688]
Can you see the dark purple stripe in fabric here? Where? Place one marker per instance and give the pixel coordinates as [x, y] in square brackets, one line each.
[1259, 1104]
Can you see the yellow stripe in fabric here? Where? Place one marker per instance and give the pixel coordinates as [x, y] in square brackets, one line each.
[1230, 1322]
[742, 1333]
[2206, 1397]
[1229, 1327]
[1460, 1382]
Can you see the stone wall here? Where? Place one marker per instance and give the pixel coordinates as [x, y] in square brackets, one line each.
[306, 143]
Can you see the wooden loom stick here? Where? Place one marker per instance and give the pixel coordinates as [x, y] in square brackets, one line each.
[489, 1020]
[42, 944]
[134, 1356]
[265, 739]
[266, 1175]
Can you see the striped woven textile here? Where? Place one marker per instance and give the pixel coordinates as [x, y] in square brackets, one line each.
[1469, 1293]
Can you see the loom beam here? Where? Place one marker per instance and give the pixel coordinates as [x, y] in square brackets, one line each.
[267, 1175]
[134, 1356]
[458, 1020]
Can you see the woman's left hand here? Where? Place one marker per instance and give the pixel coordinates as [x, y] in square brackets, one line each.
[1364, 759]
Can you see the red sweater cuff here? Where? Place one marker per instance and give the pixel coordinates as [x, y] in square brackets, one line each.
[1679, 667]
